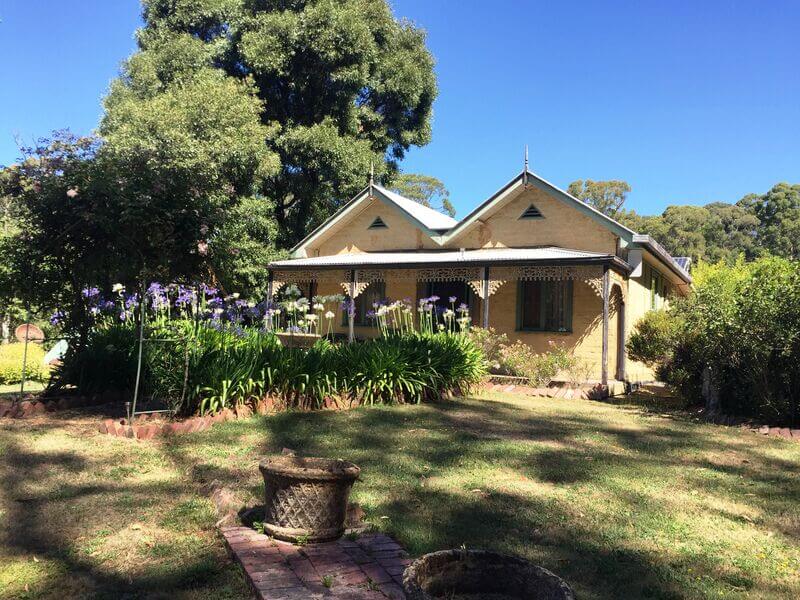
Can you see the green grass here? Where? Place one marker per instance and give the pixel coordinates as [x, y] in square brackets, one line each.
[621, 501]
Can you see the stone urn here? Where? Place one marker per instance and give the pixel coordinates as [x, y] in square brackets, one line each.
[473, 574]
[306, 498]
[291, 339]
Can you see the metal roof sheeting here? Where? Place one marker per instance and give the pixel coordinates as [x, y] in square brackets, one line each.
[432, 219]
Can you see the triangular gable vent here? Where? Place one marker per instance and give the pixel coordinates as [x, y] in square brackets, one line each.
[378, 224]
[531, 213]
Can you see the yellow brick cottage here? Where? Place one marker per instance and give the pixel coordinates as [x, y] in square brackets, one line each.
[531, 261]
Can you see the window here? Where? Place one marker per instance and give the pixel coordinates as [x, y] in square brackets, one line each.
[378, 224]
[375, 292]
[544, 306]
[451, 289]
[531, 213]
[658, 288]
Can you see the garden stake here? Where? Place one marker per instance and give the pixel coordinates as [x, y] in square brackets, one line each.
[25, 353]
[139, 362]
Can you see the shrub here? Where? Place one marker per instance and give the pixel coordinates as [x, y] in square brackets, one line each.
[520, 359]
[11, 357]
[490, 343]
[653, 339]
[206, 368]
[743, 323]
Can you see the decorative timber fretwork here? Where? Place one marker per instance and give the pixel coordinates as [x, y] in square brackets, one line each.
[283, 278]
[591, 275]
[363, 279]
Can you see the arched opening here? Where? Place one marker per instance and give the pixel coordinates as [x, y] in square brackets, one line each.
[617, 310]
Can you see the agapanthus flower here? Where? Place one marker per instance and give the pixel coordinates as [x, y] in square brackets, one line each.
[57, 317]
[117, 288]
[330, 314]
[452, 299]
[90, 292]
[319, 307]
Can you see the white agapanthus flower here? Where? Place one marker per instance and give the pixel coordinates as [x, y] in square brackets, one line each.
[329, 315]
[319, 307]
[118, 288]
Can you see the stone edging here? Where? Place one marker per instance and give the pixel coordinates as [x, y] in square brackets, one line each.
[596, 392]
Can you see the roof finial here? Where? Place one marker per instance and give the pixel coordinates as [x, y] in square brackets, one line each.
[371, 176]
[525, 170]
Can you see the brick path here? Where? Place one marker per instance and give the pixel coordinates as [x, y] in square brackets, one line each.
[369, 568]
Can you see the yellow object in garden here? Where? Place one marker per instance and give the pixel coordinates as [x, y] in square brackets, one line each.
[11, 357]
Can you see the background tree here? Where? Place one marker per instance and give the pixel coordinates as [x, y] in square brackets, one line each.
[426, 190]
[606, 196]
[342, 85]
[778, 213]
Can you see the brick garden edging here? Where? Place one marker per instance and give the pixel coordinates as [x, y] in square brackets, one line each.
[145, 428]
[368, 568]
[23, 409]
[731, 421]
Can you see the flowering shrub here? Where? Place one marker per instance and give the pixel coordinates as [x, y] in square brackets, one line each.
[206, 352]
[520, 360]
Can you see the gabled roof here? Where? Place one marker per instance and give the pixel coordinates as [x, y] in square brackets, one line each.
[431, 222]
[432, 219]
[529, 178]
[442, 229]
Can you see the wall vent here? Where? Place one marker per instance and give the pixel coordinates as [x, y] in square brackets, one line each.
[378, 224]
[531, 213]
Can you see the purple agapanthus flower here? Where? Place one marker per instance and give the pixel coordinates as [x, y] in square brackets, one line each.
[57, 317]
[90, 292]
[452, 299]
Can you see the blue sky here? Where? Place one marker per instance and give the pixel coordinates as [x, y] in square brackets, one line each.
[690, 102]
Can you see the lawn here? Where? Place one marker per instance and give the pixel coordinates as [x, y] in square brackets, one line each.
[622, 502]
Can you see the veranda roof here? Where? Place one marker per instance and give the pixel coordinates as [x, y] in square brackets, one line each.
[551, 255]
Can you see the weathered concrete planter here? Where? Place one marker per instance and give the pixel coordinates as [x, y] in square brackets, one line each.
[297, 340]
[473, 574]
[306, 498]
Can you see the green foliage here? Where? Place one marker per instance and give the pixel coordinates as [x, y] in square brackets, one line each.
[223, 367]
[653, 337]
[341, 85]
[778, 213]
[757, 225]
[426, 190]
[743, 322]
[519, 359]
[606, 196]
[11, 359]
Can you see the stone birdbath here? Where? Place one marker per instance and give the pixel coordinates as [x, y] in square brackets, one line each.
[480, 574]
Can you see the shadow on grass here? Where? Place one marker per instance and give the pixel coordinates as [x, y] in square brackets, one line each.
[41, 518]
